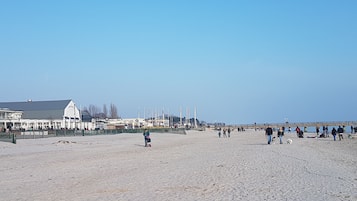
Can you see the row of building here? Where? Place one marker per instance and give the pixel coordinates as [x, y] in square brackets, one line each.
[61, 114]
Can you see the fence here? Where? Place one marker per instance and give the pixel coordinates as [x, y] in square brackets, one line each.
[8, 137]
[12, 136]
[116, 131]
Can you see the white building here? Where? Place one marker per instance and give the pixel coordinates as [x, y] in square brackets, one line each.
[36, 115]
[9, 119]
[127, 123]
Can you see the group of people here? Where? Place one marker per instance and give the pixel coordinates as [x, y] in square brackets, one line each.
[339, 131]
[335, 132]
[225, 131]
[269, 133]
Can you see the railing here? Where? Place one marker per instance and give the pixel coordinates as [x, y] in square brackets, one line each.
[115, 131]
[8, 137]
[12, 136]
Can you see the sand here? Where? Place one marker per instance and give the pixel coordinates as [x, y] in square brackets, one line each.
[196, 166]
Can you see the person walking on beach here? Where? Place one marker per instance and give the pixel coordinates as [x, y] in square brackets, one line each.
[147, 139]
[281, 134]
[297, 131]
[333, 132]
[326, 131]
[317, 130]
[224, 132]
[340, 132]
[269, 133]
[323, 131]
[229, 132]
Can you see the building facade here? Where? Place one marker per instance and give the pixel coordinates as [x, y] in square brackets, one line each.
[9, 119]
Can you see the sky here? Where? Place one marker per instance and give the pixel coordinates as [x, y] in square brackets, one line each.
[236, 62]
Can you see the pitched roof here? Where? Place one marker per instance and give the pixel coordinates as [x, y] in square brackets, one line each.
[86, 117]
[38, 109]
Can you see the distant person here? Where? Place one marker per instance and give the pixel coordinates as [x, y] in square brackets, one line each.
[229, 132]
[147, 138]
[281, 134]
[340, 132]
[323, 135]
[351, 129]
[317, 130]
[297, 129]
[224, 132]
[333, 132]
[269, 133]
[289, 129]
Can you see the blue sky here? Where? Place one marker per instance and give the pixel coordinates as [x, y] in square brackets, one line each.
[235, 61]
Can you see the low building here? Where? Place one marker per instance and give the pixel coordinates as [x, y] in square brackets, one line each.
[126, 123]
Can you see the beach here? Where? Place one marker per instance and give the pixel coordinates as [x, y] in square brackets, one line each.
[196, 166]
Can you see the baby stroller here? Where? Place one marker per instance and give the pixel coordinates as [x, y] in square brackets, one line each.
[301, 134]
[148, 141]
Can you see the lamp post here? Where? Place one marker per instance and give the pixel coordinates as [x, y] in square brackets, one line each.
[74, 112]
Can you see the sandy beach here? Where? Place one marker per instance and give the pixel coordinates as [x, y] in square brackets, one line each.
[196, 166]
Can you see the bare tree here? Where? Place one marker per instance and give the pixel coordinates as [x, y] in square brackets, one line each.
[113, 111]
[93, 110]
[84, 109]
[105, 111]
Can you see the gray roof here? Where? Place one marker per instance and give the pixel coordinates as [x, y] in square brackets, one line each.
[38, 109]
[86, 117]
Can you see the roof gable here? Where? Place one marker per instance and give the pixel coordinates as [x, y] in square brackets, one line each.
[36, 105]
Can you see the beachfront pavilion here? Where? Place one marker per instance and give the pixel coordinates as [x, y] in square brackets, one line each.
[9, 118]
[40, 115]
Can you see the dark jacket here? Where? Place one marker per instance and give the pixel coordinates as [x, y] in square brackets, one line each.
[269, 131]
[333, 132]
[280, 133]
[340, 130]
[146, 134]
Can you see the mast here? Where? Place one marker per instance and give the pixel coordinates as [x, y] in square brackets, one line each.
[163, 117]
[180, 116]
[195, 114]
[188, 116]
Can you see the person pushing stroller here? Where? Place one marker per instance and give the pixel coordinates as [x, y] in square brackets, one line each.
[147, 138]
